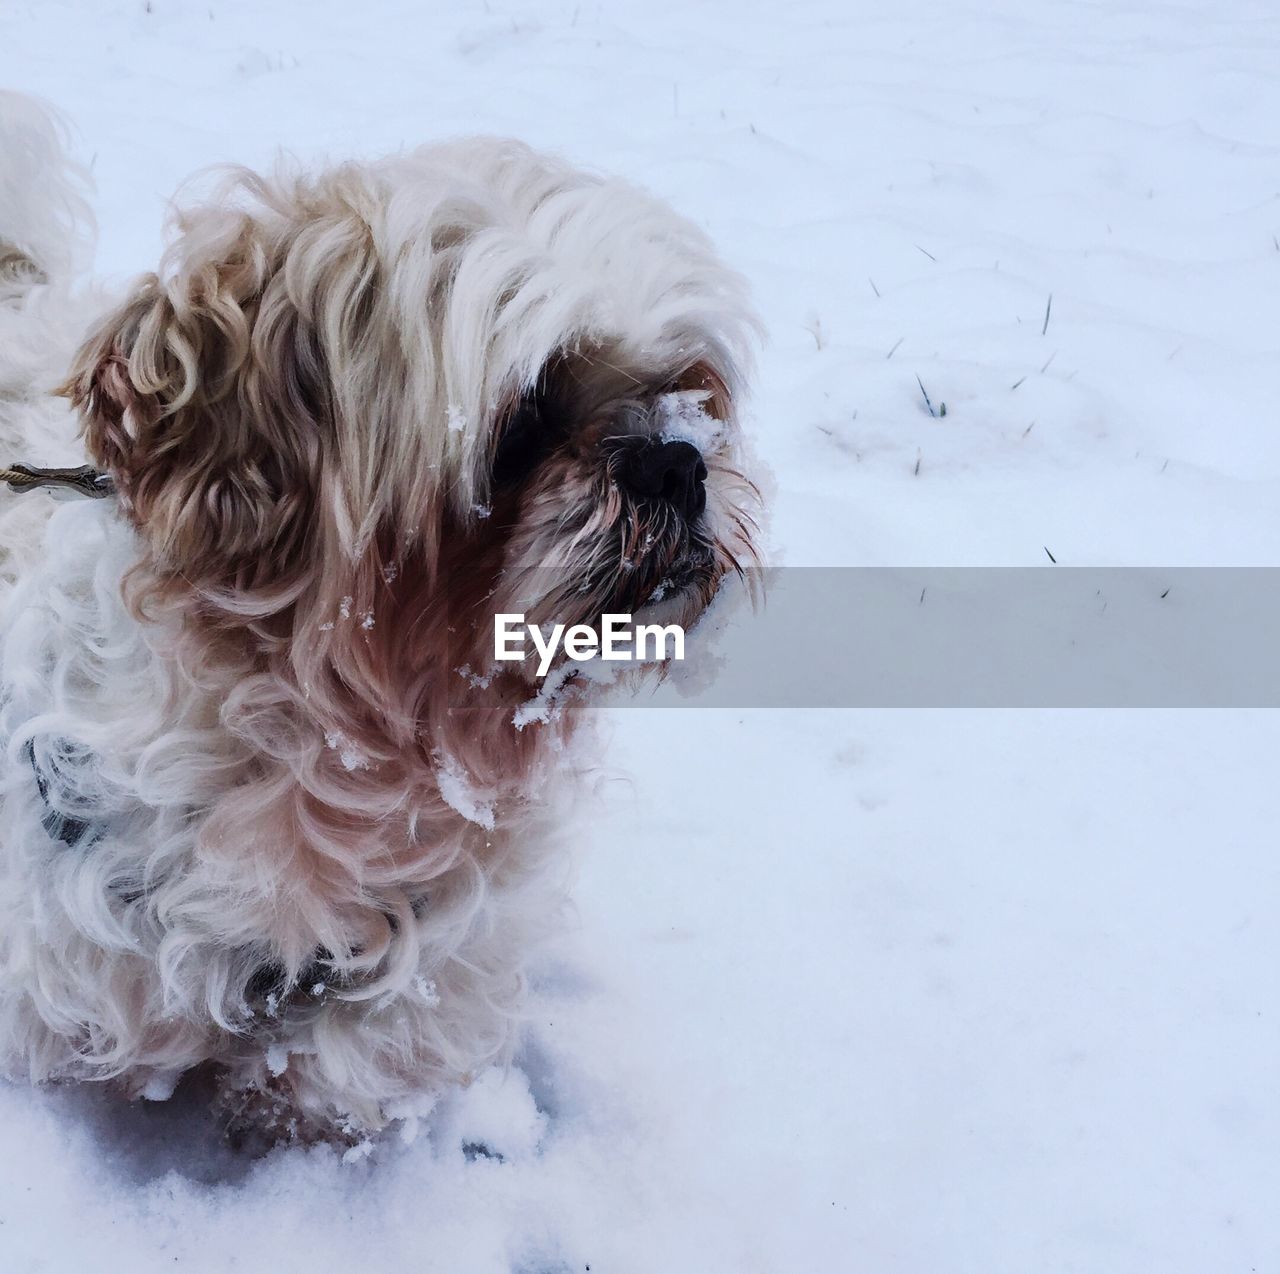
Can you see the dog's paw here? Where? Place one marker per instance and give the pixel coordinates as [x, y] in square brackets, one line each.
[494, 1117]
[262, 1116]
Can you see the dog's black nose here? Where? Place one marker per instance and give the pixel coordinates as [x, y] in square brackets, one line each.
[671, 471]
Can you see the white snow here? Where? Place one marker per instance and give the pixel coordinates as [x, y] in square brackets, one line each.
[350, 756]
[544, 704]
[906, 993]
[160, 1087]
[461, 795]
[684, 419]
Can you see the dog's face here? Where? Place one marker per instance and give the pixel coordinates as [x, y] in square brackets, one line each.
[615, 491]
[355, 416]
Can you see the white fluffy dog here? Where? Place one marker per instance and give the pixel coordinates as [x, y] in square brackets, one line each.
[268, 803]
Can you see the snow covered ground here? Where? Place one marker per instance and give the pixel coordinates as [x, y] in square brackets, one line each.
[920, 992]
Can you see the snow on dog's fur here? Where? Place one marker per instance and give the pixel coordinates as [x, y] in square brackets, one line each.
[267, 802]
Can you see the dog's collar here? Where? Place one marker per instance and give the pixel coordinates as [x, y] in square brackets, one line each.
[84, 480]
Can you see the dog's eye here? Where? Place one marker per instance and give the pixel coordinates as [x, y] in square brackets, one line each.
[524, 442]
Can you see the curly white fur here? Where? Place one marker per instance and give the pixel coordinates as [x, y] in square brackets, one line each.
[252, 814]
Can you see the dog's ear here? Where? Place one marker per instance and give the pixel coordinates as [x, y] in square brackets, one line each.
[205, 397]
